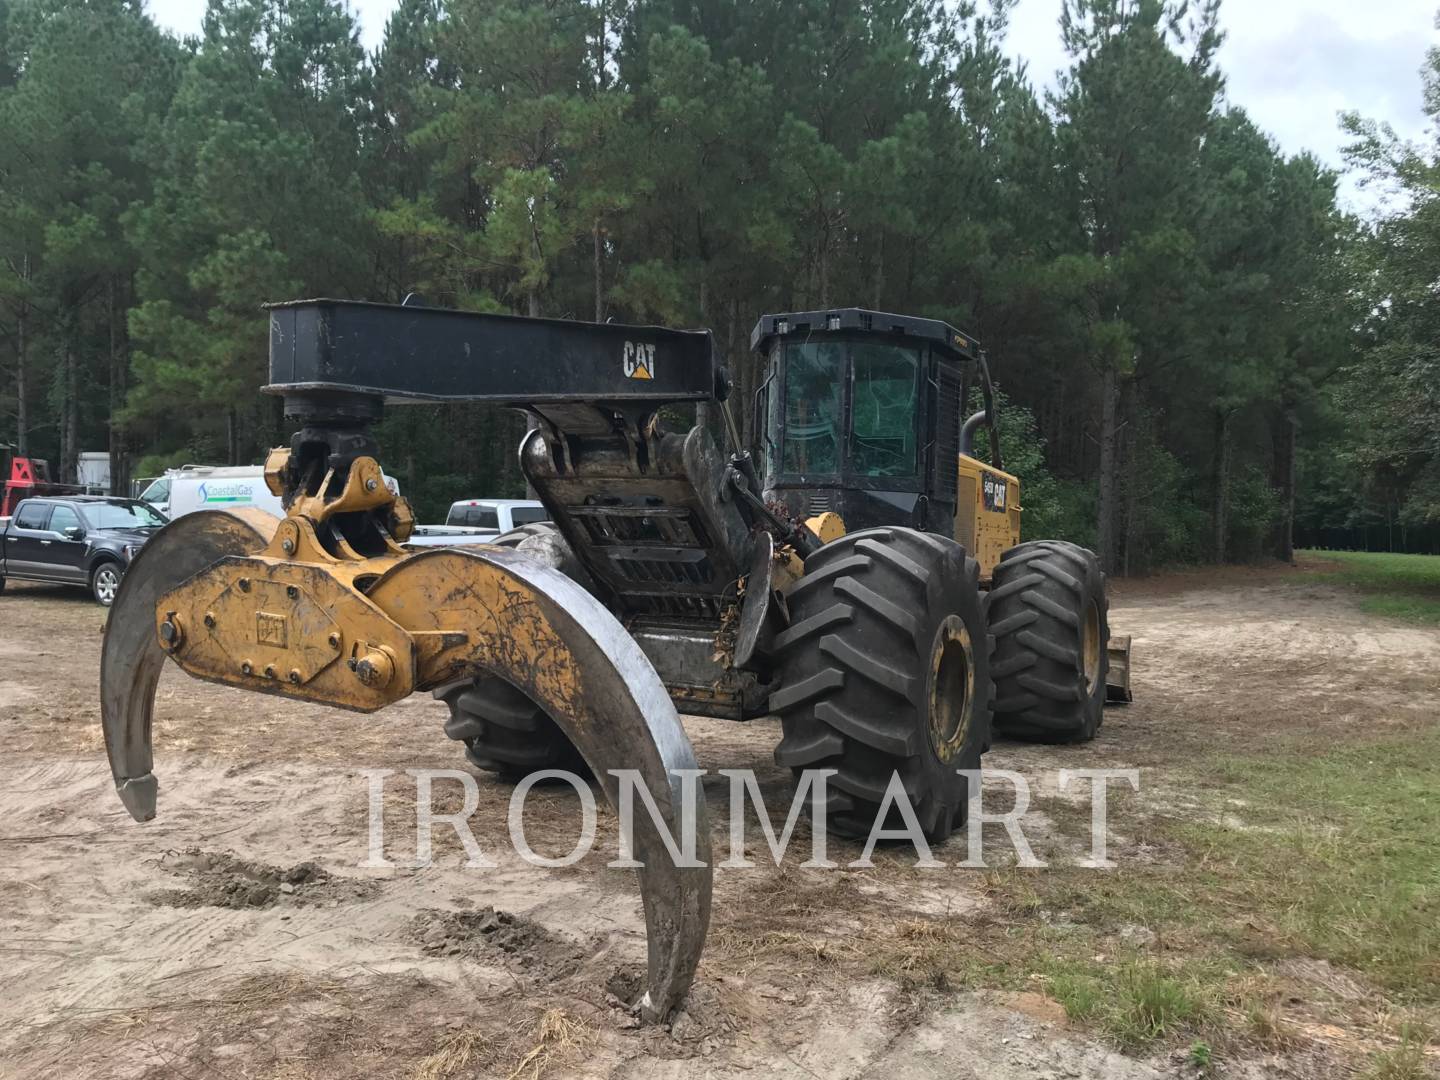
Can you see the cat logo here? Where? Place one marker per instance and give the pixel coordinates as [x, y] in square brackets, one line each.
[993, 492]
[639, 361]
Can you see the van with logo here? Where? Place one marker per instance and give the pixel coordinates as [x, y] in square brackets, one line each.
[217, 487]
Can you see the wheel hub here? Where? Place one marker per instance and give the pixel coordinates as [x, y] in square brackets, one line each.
[952, 688]
[1090, 651]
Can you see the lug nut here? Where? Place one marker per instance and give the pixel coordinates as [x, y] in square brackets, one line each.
[371, 484]
[288, 546]
[244, 584]
[210, 619]
[170, 634]
[245, 668]
[291, 591]
[295, 676]
[269, 671]
[334, 641]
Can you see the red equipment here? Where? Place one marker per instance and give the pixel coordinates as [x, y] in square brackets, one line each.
[31, 476]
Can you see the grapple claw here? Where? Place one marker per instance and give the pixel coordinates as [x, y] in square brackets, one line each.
[542, 632]
[131, 658]
[218, 592]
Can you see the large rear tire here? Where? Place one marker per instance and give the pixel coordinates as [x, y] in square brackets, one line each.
[884, 670]
[503, 730]
[1049, 614]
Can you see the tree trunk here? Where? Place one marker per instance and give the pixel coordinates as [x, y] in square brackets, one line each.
[533, 308]
[232, 437]
[1109, 511]
[824, 268]
[1130, 559]
[878, 288]
[117, 393]
[1220, 511]
[1285, 440]
[70, 410]
[22, 409]
[599, 268]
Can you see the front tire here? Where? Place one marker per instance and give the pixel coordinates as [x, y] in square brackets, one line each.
[884, 670]
[504, 731]
[105, 583]
[1048, 611]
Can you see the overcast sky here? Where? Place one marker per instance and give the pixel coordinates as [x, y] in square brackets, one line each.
[1292, 64]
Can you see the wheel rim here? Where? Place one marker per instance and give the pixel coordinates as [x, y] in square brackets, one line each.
[106, 583]
[1091, 645]
[952, 688]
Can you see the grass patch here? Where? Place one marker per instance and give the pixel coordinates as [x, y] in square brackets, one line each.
[1406, 1062]
[1331, 855]
[1339, 857]
[1138, 1000]
[1397, 586]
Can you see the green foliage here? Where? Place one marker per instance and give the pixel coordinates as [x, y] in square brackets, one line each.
[1054, 509]
[1160, 289]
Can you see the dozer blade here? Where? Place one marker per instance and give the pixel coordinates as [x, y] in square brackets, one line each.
[465, 613]
[1117, 681]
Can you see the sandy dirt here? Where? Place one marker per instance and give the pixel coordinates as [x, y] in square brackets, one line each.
[238, 934]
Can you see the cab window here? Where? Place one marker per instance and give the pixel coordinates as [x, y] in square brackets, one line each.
[123, 515]
[158, 492]
[32, 516]
[528, 515]
[811, 433]
[883, 409]
[62, 518]
[474, 517]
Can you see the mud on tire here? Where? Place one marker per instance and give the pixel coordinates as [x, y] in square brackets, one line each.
[502, 729]
[1047, 610]
[884, 669]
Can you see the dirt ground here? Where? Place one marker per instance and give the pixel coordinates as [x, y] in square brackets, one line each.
[237, 935]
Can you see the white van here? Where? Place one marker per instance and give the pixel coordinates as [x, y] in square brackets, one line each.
[217, 487]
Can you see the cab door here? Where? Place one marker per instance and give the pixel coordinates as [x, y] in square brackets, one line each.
[28, 540]
[67, 550]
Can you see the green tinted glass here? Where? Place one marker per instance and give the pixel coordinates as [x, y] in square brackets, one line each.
[884, 410]
[813, 380]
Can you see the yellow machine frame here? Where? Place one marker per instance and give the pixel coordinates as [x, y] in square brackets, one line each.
[987, 512]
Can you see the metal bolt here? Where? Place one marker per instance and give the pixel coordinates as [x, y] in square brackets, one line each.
[334, 641]
[375, 669]
[269, 671]
[245, 668]
[295, 676]
[244, 584]
[210, 619]
[288, 546]
[291, 591]
[371, 484]
[170, 633]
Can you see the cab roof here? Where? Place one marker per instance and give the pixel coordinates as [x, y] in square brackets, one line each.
[958, 345]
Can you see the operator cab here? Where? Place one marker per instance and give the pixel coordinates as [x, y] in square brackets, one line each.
[859, 412]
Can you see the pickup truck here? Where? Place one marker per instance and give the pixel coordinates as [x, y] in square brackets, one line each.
[83, 540]
[479, 521]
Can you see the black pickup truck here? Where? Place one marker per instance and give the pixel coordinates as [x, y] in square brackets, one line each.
[83, 540]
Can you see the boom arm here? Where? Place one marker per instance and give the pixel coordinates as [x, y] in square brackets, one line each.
[408, 354]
